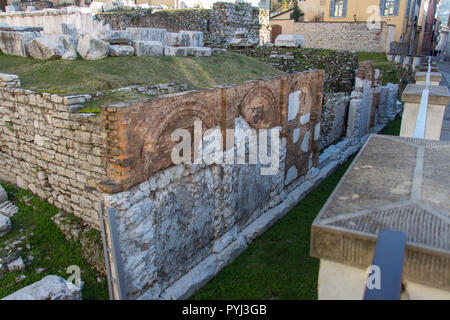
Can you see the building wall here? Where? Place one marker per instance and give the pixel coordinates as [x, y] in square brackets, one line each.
[50, 151]
[338, 35]
[360, 9]
[312, 8]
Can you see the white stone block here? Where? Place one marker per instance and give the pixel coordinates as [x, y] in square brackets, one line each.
[290, 40]
[148, 34]
[294, 105]
[51, 47]
[50, 288]
[148, 48]
[175, 51]
[120, 51]
[92, 48]
[5, 225]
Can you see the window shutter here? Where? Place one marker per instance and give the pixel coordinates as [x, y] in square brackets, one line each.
[396, 7]
[344, 10]
[332, 3]
[382, 5]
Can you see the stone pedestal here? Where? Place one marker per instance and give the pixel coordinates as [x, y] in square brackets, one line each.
[438, 98]
[397, 184]
[435, 78]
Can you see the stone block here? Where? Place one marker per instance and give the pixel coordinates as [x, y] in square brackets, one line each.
[177, 39]
[52, 47]
[50, 288]
[175, 51]
[148, 34]
[195, 38]
[3, 195]
[5, 225]
[148, 48]
[70, 30]
[115, 36]
[120, 51]
[16, 265]
[16, 43]
[199, 51]
[91, 48]
[290, 40]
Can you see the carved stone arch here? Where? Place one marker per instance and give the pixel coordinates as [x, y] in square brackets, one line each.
[260, 108]
[158, 145]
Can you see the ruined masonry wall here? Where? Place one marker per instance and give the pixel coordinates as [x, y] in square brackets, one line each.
[51, 152]
[217, 24]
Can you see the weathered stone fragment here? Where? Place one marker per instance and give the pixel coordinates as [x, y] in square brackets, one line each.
[16, 43]
[175, 51]
[195, 38]
[148, 48]
[290, 40]
[148, 34]
[91, 48]
[51, 47]
[115, 36]
[5, 225]
[120, 51]
[199, 51]
[50, 288]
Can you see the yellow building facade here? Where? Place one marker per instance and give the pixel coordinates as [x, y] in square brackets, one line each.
[393, 12]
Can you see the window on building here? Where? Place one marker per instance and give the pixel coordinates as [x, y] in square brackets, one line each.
[338, 8]
[389, 7]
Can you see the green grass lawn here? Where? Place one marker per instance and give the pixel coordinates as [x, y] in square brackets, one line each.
[80, 76]
[390, 73]
[48, 246]
[277, 265]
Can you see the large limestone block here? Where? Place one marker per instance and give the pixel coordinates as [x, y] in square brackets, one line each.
[5, 225]
[175, 51]
[194, 38]
[69, 29]
[290, 40]
[49, 288]
[120, 51]
[16, 43]
[177, 39]
[115, 36]
[51, 47]
[148, 48]
[148, 34]
[91, 48]
[199, 51]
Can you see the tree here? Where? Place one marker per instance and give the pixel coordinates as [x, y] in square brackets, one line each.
[297, 13]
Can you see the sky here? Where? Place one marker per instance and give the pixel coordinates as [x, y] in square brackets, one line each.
[444, 10]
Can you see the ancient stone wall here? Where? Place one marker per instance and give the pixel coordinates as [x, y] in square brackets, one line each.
[177, 226]
[50, 151]
[339, 66]
[340, 70]
[218, 24]
[51, 20]
[338, 35]
[171, 20]
[172, 218]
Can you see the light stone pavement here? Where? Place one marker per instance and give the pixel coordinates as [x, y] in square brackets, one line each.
[444, 68]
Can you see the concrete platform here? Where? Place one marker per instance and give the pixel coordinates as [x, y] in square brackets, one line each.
[398, 184]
